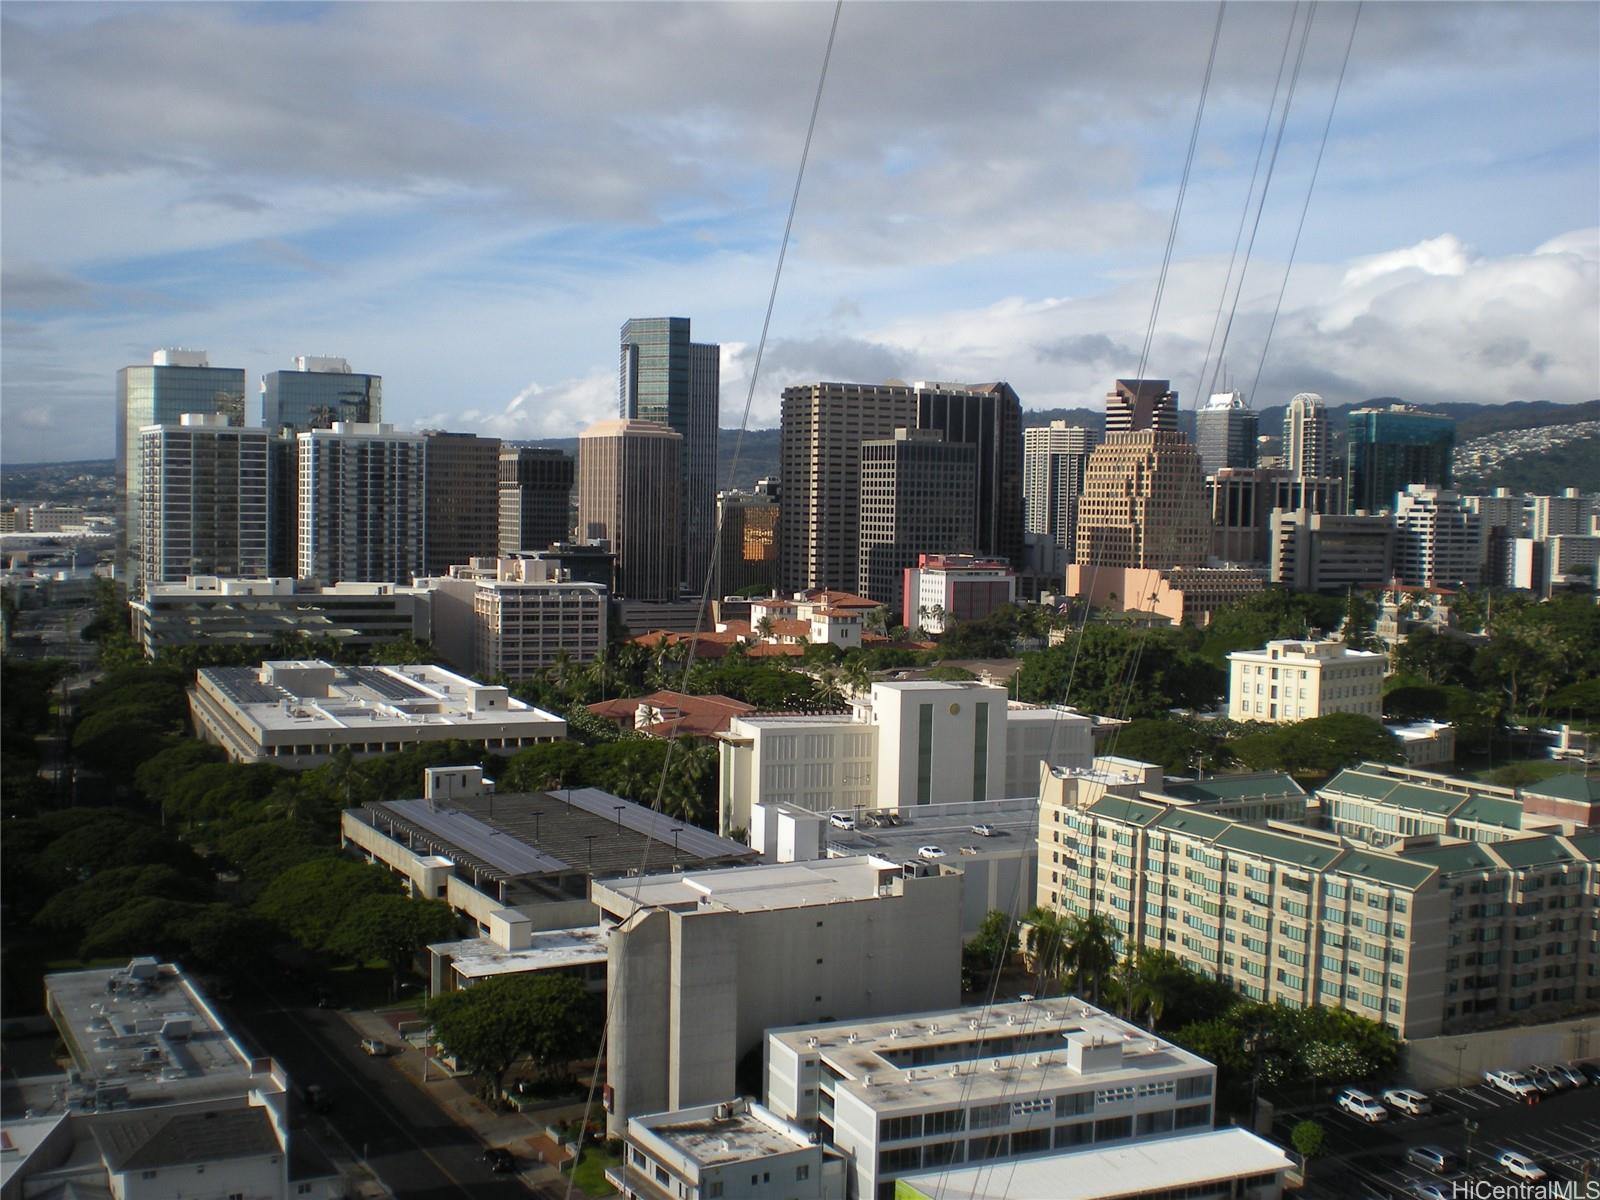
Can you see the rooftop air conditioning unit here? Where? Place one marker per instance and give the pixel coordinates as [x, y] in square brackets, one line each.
[894, 1031]
[851, 1039]
[973, 1024]
[723, 1112]
[866, 1081]
[812, 1042]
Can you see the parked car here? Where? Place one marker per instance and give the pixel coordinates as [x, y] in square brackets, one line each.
[501, 1161]
[1427, 1189]
[1512, 1083]
[376, 1047]
[930, 852]
[1574, 1076]
[1589, 1070]
[1358, 1104]
[1542, 1079]
[1409, 1101]
[1519, 1165]
[842, 821]
[1433, 1158]
[983, 829]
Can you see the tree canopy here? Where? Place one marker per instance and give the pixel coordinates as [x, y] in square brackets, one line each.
[550, 1019]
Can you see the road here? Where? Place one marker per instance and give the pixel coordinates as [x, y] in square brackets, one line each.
[415, 1148]
[1560, 1133]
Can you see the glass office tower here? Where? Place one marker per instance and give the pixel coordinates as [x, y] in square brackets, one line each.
[175, 382]
[318, 392]
[1391, 448]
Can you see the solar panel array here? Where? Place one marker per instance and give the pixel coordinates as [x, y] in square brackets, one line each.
[390, 687]
[472, 838]
[241, 685]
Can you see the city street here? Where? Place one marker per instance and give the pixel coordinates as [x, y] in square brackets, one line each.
[1561, 1134]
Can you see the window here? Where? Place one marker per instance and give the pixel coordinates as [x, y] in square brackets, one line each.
[1109, 1129]
[1194, 1087]
[1188, 1118]
[803, 1171]
[712, 1189]
[899, 1129]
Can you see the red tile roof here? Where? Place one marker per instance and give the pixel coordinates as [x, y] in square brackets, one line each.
[701, 716]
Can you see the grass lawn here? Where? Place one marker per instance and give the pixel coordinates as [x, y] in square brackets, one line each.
[590, 1172]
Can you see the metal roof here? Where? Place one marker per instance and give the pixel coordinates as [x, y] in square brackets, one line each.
[1385, 868]
[1282, 847]
[1235, 787]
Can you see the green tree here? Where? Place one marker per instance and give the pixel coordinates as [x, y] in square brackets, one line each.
[994, 945]
[1177, 746]
[393, 928]
[1319, 746]
[549, 1018]
[310, 902]
[1435, 658]
[84, 906]
[1308, 1139]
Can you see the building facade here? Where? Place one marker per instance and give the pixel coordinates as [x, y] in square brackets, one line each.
[987, 417]
[1325, 552]
[945, 588]
[1391, 448]
[1438, 541]
[1305, 436]
[361, 504]
[205, 499]
[1143, 503]
[1288, 681]
[747, 539]
[1137, 405]
[318, 392]
[175, 382]
[1225, 433]
[1054, 459]
[629, 487]
[535, 498]
[917, 496]
[461, 498]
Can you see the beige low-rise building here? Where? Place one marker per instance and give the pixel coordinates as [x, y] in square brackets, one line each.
[1296, 680]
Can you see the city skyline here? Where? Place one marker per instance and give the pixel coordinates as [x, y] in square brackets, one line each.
[948, 228]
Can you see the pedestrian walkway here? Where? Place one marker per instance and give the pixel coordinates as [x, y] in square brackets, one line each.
[524, 1134]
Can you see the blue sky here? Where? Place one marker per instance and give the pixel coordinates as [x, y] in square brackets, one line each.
[470, 199]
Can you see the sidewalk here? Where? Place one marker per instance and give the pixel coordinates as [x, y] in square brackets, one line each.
[523, 1134]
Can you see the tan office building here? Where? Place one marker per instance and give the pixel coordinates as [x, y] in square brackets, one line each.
[628, 492]
[1144, 503]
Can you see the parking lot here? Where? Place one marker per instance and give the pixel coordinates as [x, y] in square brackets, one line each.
[1561, 1134]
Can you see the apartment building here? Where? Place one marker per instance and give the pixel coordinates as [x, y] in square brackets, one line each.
[1438, 542]
[361, 504]
[205, 499]
[984, 1084]
[1383, 805]
[1305, 435]
[1054, 458]
[1293, 680]
[1328, 551]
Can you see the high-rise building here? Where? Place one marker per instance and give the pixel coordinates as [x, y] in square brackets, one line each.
[1330, 551]
[1225, 433]
[988, 417]
[917, 497]
[666, 378]
[747, 539]
[822, 428]
[1438, 542]
[1053, 461]
[205, 499]
[1305, 435]
[1572, 512]
[461, 499]
[1390, 449]
[283, 504]
[175, 382]
[1241, 501]
[319, 391]
[361, 504]
[1138, 404]
[629, 481]
[1143, 503]
[535, 497]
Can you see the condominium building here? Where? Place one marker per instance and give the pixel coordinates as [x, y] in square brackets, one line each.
[1292, 680]
[942, 589]
[1135, 405]
[1143, 503]
[703, 964]
[1305, 436]
[205, 499]
[987, 417]
[522, 619]
[1225, 433]
[1330, 551]
[1054, 459]
[175, 382]
[298, 714]
[902, 745]
[984, 1084]
[1438, 542]
[204, 610]
[460, 497]
[822, 428]
[917, 497]
[1572, 512]
[535, 497]
[1391, 448]
[666, 378]
[361, 504]
[629, 491]
[747, 540]
[319, 391]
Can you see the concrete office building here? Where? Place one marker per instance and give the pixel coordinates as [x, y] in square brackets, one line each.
[1241, 504]
[175, 382]
[460, 498]
[1225, 433]
[206, 610]
[513, 617]
[666, 378]
[986, 1084]
[703, 964]
[1438, 542]
[747, 540]
[822, 428]
[629, 490]
[902, 745]
[1290, 680]
[319, 391]
[297, 714]
[1139, 405]
[1391, 448]
[1327, 552]
[1572, 512]
[535, 498]
[205, 499]
[1305, 436]
[987, 417]
[361, 504]
[917, 496]
[1054, 459]
[1143, 503]
[944, 588]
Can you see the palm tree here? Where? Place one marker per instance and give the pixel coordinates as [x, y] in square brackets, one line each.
[764, 628]
[1047, 941]
[1091, 951]
[877, 620]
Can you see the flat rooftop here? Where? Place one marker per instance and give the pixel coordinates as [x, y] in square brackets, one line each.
[948, 826]
[1158, 1165]
[974, 1054]
[554, 949]
[748, 1132]
[762, 888]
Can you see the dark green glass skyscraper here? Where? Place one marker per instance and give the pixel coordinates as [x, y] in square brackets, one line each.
[666, 377]
[1392, 447]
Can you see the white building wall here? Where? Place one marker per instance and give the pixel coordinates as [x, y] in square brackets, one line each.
[932, 744]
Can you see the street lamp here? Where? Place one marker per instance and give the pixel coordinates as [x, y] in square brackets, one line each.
[1471, 1128]
[1460, 1049]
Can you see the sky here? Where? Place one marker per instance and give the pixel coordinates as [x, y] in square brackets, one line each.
[470, 199]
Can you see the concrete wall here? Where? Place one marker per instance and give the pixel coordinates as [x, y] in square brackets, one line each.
[1454, 1060]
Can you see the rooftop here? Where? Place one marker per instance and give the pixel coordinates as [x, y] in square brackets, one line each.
[1572, 786]
[551, 949]
[715, 1135]
[1224, 788]
[148, 1141]
[761, 888]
